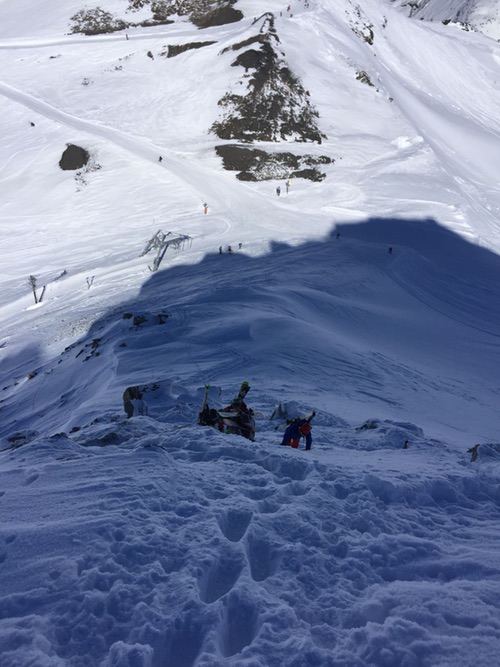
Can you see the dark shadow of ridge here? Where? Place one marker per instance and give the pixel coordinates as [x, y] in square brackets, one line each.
[267, 307]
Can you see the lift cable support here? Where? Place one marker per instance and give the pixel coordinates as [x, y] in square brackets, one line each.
[161, 241]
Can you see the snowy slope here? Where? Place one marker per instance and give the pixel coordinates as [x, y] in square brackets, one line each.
[483, 15]
[183, 547]
[152, 542]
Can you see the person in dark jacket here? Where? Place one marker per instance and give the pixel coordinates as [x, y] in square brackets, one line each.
[299, 428]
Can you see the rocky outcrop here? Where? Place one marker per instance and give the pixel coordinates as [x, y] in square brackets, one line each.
[362, 76]
[258, 165]
[221, 15]
[275, 106]
[360, 25]
[96, 22]
[73, 158]
[173, 50]
[203, 13]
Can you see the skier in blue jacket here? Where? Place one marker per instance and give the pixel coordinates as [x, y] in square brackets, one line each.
[299, 428]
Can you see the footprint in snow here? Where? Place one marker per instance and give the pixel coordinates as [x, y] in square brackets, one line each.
[263, 557]
[239, 625]
[220, 576]
[234, 523]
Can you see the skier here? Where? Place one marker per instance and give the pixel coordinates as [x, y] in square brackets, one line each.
[287, 185]
[278, 191]
[220, 250]
[238, 417]
[133, 402]
[296, 430]
[473, 451]
[240, 246]
[229, 249]
[160, 159]
[235, 418]
[205, 208]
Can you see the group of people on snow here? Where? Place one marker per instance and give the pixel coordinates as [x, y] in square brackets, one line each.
[287, 186]
[239, 419]
[236, 417]
[229, 249]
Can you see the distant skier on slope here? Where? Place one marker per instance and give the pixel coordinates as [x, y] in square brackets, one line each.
[278, 191]
[299, 428]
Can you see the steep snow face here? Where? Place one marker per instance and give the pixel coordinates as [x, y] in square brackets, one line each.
[484, 15]
[408, 335]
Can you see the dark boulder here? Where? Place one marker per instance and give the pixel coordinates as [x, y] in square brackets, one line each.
[73, 158]
[218, 16]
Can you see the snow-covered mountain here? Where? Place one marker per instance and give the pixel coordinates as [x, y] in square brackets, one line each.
[483, 15]
[368, 290]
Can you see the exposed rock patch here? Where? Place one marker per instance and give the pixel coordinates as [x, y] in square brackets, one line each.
[218, 16]
[173, 50]
[258, 165]
[467, 27]
[96, 22]
[364, 78]
[360, 26]
[73, 158]
[275, 105]
[203, 13]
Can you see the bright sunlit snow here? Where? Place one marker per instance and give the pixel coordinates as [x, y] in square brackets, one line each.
[371, 297]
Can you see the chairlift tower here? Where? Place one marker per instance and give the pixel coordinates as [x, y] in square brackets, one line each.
[161, 241]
